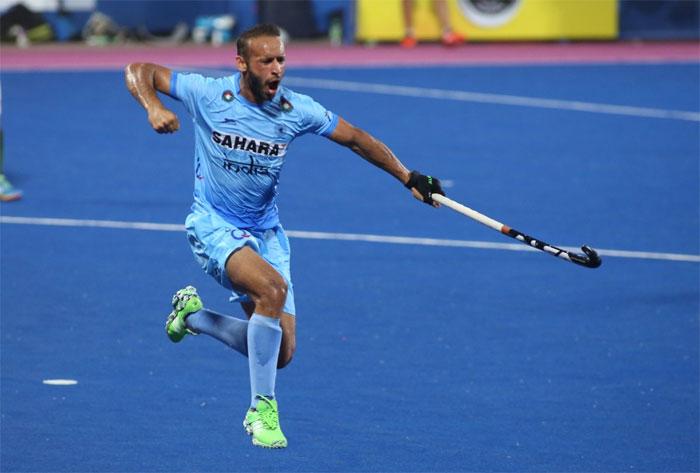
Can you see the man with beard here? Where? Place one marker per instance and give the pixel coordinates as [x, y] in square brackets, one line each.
[244, 124]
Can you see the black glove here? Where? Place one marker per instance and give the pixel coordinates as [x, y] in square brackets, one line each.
[425, 185]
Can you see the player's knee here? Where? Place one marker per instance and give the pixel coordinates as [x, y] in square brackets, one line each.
[277, 292]
[273, 296]
[286, 355]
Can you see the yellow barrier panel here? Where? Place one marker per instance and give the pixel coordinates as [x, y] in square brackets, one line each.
[510, 20]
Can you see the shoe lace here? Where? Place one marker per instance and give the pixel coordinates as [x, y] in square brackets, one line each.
[182, 296]
[269, 416]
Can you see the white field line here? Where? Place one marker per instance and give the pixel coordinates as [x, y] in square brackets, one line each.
[397, 240]
[499, 99]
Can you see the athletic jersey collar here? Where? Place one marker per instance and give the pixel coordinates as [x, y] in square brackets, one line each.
[237, 92]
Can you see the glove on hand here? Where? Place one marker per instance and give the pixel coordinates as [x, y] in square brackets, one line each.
[425, 185]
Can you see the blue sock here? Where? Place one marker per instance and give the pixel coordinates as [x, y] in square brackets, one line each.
[264, 339]
[229, 330]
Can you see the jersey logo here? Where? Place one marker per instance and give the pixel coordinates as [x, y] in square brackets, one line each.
[246, 168]
[238, 234]
[286, 104]
[249, 145]
[227, 96]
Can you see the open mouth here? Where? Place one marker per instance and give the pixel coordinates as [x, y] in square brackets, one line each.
[272, 86]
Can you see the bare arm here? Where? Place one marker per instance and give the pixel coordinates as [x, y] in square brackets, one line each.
[143, 81]
[370, 149]
[373, 151]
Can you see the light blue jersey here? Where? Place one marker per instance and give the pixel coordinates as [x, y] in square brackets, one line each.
[240, 147]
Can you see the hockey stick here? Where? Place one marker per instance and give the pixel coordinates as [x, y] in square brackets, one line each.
[590, 259]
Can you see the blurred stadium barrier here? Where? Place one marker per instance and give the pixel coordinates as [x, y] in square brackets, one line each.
[381, 20]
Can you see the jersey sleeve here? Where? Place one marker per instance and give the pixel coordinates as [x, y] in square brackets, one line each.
[188, 88]
[317, 119]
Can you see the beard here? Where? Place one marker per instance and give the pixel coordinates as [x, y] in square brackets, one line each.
[256, 85]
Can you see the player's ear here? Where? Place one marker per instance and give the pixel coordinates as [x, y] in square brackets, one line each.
[241, 64]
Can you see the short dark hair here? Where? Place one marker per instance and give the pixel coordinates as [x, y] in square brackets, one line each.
[266, 29]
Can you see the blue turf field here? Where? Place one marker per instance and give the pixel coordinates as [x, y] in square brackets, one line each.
[410, 358]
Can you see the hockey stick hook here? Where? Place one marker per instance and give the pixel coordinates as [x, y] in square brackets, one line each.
[589, 260]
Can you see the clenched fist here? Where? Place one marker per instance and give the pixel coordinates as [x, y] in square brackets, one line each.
[163, 120]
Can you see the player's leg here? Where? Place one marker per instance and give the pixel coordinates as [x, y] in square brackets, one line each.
[260, 337]
[229, 330]
[449, 37]
[251, 274]
[275, 249]
[289, 341]
[233, 331]
[409, 38]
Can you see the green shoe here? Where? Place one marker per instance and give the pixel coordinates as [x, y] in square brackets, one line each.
[185, 302]
[264, 425]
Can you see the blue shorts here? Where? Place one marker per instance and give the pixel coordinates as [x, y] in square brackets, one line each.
[212, 240]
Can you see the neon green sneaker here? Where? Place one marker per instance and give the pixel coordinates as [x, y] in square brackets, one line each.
[264, 425]
[185, 302]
